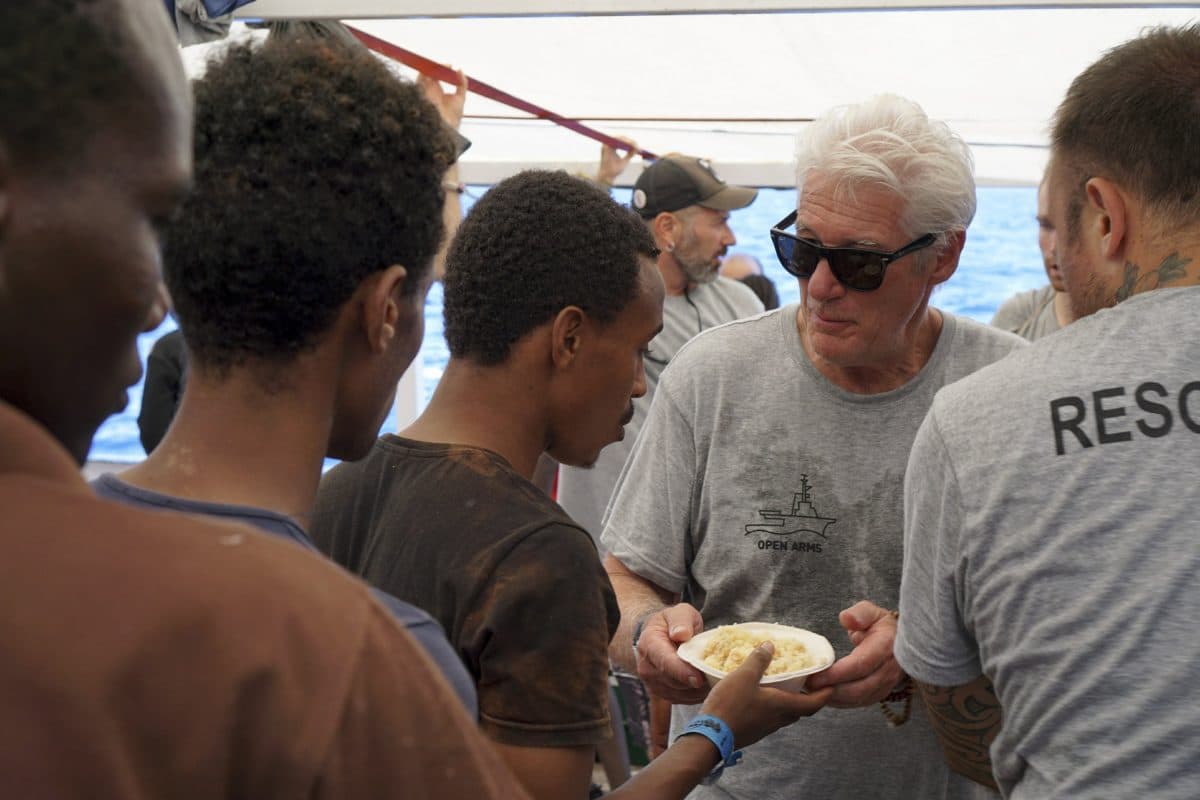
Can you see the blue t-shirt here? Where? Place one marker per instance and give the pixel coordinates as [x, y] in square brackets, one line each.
[423, 627]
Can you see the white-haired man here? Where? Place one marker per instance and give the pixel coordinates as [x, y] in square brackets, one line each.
[1050, 503]
[766, 484]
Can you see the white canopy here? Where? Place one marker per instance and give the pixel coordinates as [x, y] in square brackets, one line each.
[737, 87]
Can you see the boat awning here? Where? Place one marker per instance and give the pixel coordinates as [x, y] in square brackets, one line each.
[737, 87]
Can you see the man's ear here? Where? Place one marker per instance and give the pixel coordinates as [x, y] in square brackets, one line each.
[1111, 221]
[947, 257]
[381, 308]
[567, 333]
[666, 230]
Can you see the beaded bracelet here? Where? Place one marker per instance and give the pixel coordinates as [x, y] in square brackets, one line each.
[716, 731]
[905, 694]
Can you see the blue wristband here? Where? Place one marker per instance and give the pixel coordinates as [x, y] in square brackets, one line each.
[716, 731]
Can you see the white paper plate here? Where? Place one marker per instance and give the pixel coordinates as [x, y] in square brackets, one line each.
[818, 647]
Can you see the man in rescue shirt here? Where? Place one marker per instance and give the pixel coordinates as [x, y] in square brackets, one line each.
[1051, 521]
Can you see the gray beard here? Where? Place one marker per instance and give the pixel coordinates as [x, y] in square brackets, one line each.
[698, 273]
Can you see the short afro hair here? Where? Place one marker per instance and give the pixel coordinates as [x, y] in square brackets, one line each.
[315, 167]
[64, 64]
[535, 244]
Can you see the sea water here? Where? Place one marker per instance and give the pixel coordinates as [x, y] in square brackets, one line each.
[1000, 258]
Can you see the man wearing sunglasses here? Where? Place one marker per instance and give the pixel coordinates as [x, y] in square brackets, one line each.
[767, 482]
[1051, 518]
[686, 208]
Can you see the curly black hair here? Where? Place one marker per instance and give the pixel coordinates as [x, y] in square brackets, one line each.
[536, 243]
[64, 64]
[315, 167]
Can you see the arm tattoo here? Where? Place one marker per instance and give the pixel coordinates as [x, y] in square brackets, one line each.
[1172, 268]
[967, 719]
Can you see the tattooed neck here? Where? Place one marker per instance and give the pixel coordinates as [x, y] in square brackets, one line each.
[1172, 268]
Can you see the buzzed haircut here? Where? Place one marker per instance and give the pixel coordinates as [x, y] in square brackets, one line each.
[64, 64]
[1134, 117]
[314, 168]
[536, 243]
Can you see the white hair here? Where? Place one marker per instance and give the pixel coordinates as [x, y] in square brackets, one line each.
[890, 142]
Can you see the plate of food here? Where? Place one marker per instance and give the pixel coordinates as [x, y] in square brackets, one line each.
[798, 652]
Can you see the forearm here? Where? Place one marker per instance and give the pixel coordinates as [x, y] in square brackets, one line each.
[967, 719]
[451, 217]
[637, 598]
[673, 774]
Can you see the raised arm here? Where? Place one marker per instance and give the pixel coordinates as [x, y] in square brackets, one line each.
[450, 105]
[613, 163]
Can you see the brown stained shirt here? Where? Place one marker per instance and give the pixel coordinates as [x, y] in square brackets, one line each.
[152, 655]
[514, 581]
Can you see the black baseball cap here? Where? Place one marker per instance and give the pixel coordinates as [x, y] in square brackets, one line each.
[674, 182]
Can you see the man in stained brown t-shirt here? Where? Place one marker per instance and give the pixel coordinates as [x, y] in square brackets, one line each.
[551, 299]
[149, 655]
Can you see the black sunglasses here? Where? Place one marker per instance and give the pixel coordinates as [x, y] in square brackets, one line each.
[861, 270]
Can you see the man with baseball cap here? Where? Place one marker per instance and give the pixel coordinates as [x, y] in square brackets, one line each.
[676, 182]
[686, 207]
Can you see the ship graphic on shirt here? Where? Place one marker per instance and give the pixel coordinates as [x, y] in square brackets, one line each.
[802, 519]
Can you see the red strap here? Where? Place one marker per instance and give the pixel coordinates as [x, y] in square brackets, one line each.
[447, 75]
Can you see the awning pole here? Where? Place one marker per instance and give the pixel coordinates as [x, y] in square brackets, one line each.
[447, 75]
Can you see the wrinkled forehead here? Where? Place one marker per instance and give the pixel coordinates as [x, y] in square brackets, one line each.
[845, 211]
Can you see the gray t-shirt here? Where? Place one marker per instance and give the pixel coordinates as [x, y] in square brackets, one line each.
[1030, 314]
[1053, 543]
[584, 493]
[763, 492]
